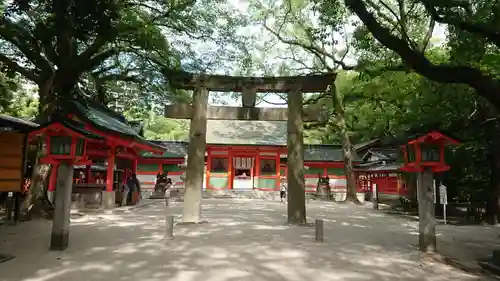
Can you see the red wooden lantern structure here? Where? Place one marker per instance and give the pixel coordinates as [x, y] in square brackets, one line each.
[63, 144]
[427, 151]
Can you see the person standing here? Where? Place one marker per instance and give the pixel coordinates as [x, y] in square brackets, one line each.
[161, 181]
[283, 188]
[168, 191]
[134, 188]
[125, 192]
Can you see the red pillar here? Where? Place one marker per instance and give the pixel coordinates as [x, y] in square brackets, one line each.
[278, 180]
[53, 177]
[134, 166]
[209, 168]
[110, 170]
[257, 169]
[230, 172]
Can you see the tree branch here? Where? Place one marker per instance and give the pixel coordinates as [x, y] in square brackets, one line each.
[487, 31]
[19, 38]
[29, 74]
[319, 52]
[473, 77]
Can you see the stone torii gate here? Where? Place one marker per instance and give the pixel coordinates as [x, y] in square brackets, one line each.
[199, 112]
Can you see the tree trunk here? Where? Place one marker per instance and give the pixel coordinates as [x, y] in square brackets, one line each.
[493, 193]
[36, 203]
[296, 182]
[196, 157]
[491, 129]
[351, 188]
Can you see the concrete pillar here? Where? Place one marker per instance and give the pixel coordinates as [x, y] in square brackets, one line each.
[196, 157]
[60, 227]
[296, 181]
[427, 222]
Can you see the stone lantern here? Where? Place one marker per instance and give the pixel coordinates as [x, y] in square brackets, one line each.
[426, 151]
[424, 155]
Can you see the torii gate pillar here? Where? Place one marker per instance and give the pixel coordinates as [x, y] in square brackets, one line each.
[199, 112]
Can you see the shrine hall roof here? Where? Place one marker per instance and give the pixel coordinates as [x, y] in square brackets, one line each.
[13, 123]
[236, 132]
[254, 133]
[102, 119]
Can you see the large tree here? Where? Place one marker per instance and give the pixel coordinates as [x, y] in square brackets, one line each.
[472, 24]
[473, 41]
[94, 44]
[311, 48]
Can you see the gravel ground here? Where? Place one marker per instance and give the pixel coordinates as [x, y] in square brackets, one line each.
[242, 240]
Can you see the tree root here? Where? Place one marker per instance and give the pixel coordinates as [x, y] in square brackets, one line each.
[42, 208]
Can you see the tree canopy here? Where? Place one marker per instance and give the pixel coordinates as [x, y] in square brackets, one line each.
[394, 74]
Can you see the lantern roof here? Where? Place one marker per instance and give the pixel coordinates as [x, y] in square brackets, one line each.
[433, 136]
[68, 125]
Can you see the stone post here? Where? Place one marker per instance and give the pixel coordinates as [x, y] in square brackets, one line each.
[169, 227]
[375, 199]
[319, 230]
[296, 182]
[196, 157]
[427, 222]
[60, 227]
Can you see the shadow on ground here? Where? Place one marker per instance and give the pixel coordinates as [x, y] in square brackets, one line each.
[243, 240]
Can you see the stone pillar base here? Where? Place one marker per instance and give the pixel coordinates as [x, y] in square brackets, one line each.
[108, 199]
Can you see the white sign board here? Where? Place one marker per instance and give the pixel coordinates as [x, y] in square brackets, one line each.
[443, 197]
[374, 191]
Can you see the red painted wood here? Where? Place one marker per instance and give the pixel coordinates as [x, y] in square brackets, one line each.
[135, 163]
[209, 167]
[230, 177]
[110, 172]
[53, 178]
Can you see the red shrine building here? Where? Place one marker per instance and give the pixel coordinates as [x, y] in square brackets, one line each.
[244, 156]
[102, 145]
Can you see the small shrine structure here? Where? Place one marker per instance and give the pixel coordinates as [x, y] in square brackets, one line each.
[86, 133]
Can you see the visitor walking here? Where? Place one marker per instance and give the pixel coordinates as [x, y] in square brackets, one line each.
[283, 188]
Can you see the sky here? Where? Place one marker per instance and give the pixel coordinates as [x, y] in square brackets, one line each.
[275, 100]
[229, 98]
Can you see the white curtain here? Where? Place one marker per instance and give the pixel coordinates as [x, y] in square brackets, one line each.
[243, 162]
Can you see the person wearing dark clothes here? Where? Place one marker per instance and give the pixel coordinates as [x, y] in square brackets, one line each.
[161, 181]
[134, 188]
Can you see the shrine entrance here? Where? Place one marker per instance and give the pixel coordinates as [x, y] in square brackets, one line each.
[244, 171]
[199, 112]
